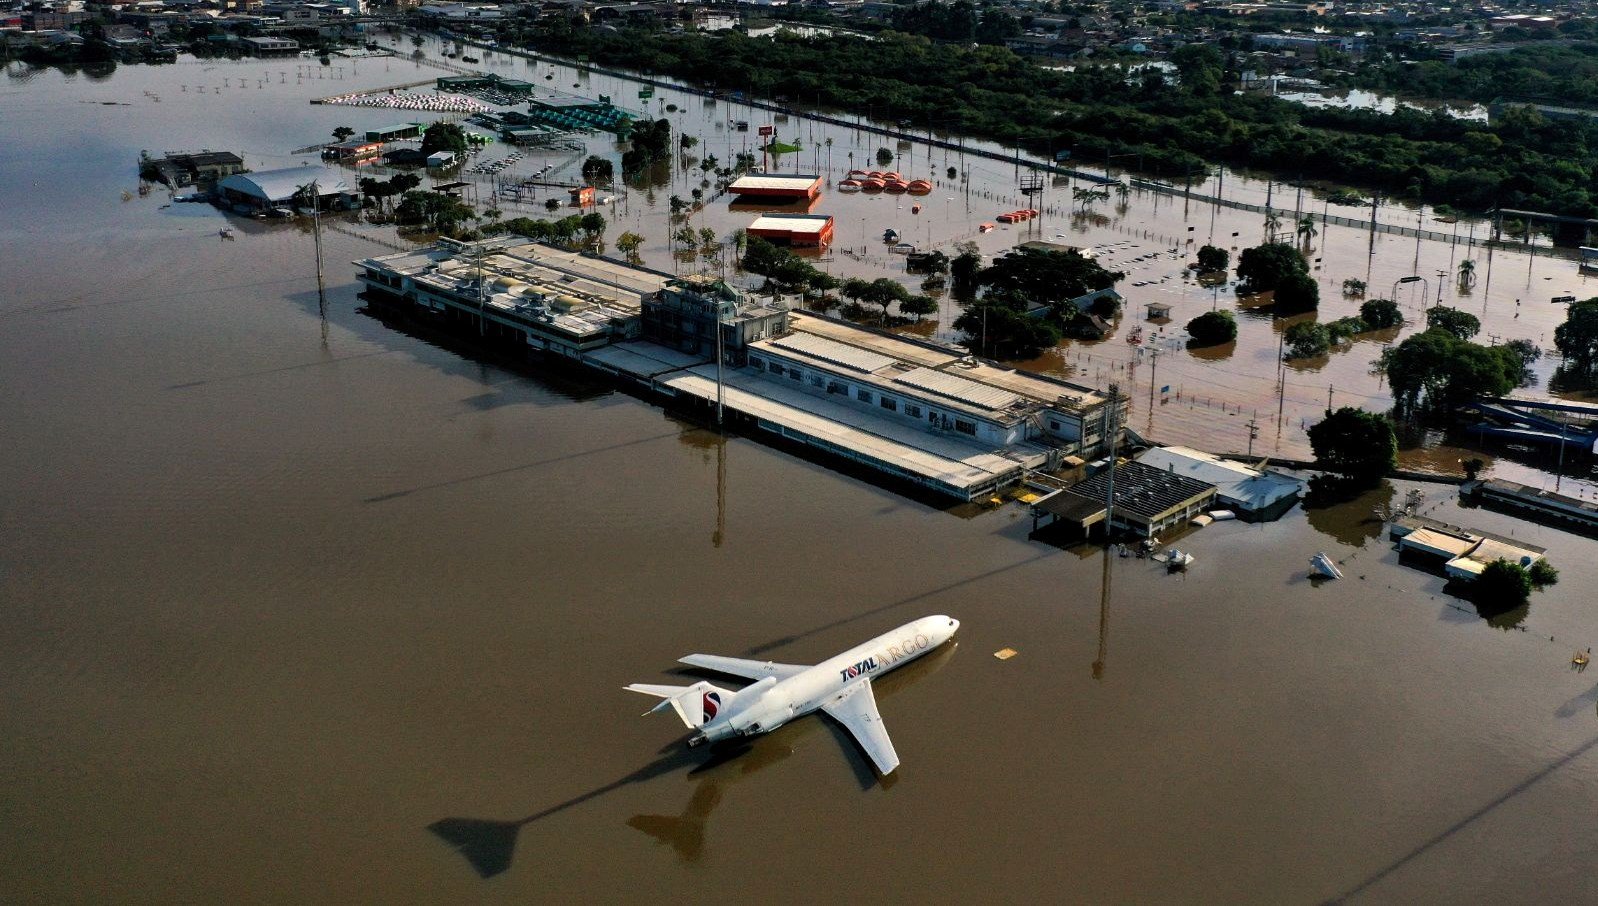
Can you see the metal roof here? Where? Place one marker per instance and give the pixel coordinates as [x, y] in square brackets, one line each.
[282, 185]
[832, 351]
[773, 181]
[795, 223]
[958, 388]
[1144, 490]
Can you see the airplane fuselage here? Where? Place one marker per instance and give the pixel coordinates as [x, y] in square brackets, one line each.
[772, 702]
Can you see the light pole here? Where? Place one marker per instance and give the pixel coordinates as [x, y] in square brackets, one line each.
[1412, 278]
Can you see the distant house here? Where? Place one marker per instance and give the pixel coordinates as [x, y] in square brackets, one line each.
[440, 159]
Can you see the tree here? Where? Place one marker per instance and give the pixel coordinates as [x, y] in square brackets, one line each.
[1577, 338]
[1044, 275]
[597, 169]
[1380, 314]
[1542, 574]
[999, 331]
[1467, 273]
[1087, 197]
[1306, 340]
[1297, 293]
[963, 271]
[1354, 287]
[1461, 324]
[1439, 370]
[884, 156]
[1212, 258]
[1213, 328]
[1502, 586]
[919, 306]
[1200, 67]
[1306, 230]
[342, 133]
[1354, 443]
[628, 244]
[1264, 267]
[444, 137]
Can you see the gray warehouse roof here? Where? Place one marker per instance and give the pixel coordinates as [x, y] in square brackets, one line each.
[278, 186]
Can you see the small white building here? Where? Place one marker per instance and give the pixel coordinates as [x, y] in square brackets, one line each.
[1255, 494]
[440, 159]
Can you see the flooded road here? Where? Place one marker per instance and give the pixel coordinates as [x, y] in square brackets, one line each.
[319, 609]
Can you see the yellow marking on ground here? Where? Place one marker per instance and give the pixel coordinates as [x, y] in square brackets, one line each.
[1005, 654]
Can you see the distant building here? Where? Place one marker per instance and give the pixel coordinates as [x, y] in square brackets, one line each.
[270, 47]
[354, 149]
[393, 133]
[782, 186]
[285, 188]
[188, 169]
[1461, 553]
[803, 230]
[1254, 494]
[1148, 501]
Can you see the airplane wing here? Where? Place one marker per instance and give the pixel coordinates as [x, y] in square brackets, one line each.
[737, 666]
[856, 708]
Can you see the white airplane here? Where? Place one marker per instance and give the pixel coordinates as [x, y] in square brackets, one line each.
[839, 686]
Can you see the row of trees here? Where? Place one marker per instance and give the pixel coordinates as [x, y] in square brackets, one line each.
[1097, 110]
[1002, 322]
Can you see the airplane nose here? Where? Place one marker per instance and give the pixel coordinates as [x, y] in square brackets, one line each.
[954, 625]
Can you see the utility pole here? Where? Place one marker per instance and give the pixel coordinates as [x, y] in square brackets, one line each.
[316, 233]
[1154, 367]
[720, 363]
[1328, 397]
[1253, 432]
[1113, 419]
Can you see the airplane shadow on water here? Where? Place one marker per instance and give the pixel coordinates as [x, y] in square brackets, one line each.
[489, 846]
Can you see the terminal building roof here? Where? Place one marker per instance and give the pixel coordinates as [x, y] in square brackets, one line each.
[934, 370]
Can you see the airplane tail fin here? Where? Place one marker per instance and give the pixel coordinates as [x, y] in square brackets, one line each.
[697, 705]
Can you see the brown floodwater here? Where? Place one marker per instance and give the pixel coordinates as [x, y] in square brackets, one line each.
[299, 605]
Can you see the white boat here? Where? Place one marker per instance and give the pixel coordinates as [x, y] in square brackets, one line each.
[1222, 515]
[1323, 566]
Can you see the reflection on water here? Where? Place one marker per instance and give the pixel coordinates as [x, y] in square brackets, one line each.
[1351, 522]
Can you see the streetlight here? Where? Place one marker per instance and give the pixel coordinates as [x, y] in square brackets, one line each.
[1413, 278]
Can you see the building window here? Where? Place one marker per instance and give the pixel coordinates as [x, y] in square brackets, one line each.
[816, 381]
[1054, 425]
[795, 374]
[890, 404]
[759, 363]
[965, 427]
[838, 387]
[863, 395]
[912, 410]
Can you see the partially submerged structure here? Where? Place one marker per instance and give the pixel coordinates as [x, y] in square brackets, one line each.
[287, 188]
[1461, 553]
[916, 410]
[190, 168]
[1148, 501]
[1254, 493]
